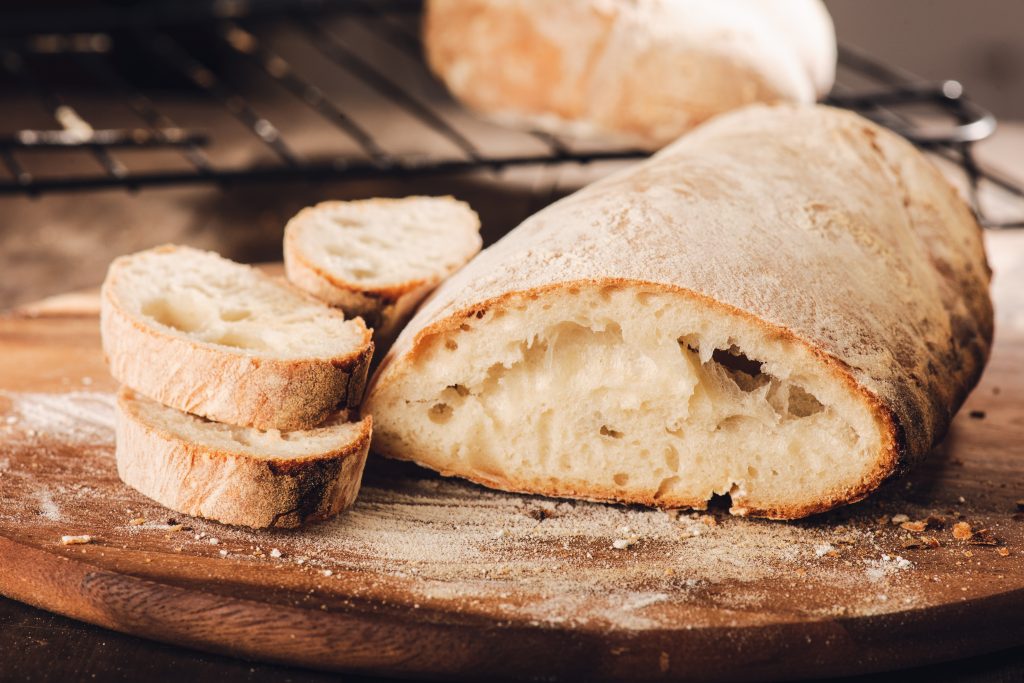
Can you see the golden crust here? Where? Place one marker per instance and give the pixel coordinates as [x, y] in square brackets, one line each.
[236, 488]
[226, 386]
[384, 308]
[846, 242]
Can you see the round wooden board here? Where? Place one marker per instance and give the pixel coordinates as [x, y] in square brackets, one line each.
[430, 577]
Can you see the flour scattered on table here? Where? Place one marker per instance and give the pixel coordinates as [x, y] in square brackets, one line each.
[77, 417]
[447, 544]
[885, 566]
[47, 507]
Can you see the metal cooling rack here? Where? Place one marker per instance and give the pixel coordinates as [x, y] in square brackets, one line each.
[215, 55]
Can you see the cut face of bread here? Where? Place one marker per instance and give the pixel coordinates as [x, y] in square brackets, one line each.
[222, 340]
[378, 258]
[786, 306]
[239, 475]
[571, 392]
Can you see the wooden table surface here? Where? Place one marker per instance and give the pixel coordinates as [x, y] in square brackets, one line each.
[36, 645]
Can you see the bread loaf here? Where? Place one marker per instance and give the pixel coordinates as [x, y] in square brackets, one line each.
[786, 306]
[378, 258]
[239, 475]
[641, 70]
[202, 334]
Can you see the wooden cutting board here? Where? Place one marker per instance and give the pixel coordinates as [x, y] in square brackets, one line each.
[431, 577]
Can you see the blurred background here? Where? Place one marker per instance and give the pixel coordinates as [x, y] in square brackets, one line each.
[57, 240]
[979, 43]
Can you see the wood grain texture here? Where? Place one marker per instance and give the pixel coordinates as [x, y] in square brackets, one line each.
[434, 578]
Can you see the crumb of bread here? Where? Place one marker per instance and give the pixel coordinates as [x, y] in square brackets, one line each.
[275, 553]
[962, 531]
[823, 549]
[76, 540]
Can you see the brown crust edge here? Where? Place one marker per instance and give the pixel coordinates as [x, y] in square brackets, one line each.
[383, 307]
[891, 460]
[326, 483]
[339, 380]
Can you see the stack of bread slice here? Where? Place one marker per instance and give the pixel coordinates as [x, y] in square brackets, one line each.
[240, 398]
[237, 389]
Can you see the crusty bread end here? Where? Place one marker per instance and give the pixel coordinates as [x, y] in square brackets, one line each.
[239, 475]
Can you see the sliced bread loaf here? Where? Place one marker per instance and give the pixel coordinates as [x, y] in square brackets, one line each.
[788, 305]
[239, 475]
[378, 258]
[208, 336]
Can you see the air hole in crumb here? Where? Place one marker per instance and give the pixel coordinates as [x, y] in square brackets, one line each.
[672, 458]
[745, 372]
[690, 344]
[720, 501]
[752, 472]
[666, 484]
[176, 317]
[440, 413]
[459, 389]
[733, 422]
[239, 341]
[450, 344]
[608, 431]
[802, 403]
[465, 328]
[234, 314]
[621, 479]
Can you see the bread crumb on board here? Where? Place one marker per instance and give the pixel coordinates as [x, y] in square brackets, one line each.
[76, 540]
[962, 531]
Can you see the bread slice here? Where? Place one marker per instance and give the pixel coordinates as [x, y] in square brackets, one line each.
[208, 336]
[378, 258]
[645, 72]
[786, 306]
[239, 475]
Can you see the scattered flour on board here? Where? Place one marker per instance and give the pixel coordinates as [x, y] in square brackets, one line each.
[449, 543]
[47, 507]
[81, 417]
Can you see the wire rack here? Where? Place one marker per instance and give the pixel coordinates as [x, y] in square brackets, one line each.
[231, 91]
